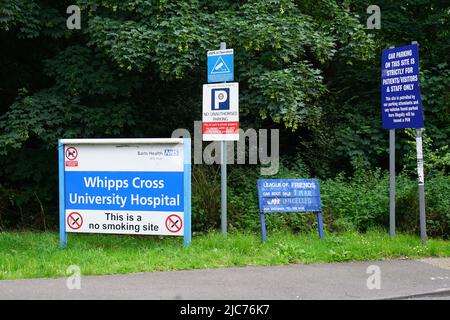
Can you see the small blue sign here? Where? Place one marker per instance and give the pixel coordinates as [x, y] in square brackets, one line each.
[289, 195]
[220, 65]
[401, 104]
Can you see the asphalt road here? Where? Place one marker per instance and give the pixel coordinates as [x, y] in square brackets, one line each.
[400, 279]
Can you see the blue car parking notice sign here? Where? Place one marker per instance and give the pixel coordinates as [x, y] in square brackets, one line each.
[401, 103]
[220, 65]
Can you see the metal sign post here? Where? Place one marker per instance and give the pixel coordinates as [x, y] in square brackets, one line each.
[421, 181]
[223, 177]
[223, 188]
[392, 180]
[392, 183]
[401, 107]
[220, 112]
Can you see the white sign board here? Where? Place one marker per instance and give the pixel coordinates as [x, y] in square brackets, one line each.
[220, 112]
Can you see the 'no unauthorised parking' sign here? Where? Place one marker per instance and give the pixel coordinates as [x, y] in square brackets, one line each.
[220, 112]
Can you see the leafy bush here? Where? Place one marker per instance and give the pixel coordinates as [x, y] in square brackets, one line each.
[437, 203]
[362, 203]
[359, 203]
[205, 198]
[437, 195]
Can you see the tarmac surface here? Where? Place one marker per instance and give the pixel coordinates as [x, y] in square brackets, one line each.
[398, 279]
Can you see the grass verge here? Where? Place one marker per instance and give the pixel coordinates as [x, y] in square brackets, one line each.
[37, 255]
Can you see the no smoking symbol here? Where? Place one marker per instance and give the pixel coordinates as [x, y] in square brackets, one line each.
[174, 223]
[74, 221]
[71, 153]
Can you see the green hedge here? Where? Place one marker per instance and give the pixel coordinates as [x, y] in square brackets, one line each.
[359, 203]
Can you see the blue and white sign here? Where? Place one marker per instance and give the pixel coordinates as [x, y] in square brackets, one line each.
[289, 195]
[220, 99]
[401, 104]
[125, 186]
[298, 195]
[220, 65]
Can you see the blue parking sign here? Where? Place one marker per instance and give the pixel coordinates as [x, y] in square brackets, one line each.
[220, 65]
[220, 99]
[401, 104]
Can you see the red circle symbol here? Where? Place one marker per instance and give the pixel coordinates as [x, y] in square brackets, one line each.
[74, 220]
[71, 153]
[174, 223]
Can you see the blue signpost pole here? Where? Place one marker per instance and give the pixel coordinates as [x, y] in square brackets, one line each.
[62, 213]
[187, 192]
[263, 226]
[320, 224]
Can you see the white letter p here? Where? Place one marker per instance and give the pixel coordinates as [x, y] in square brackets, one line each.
[220, 96]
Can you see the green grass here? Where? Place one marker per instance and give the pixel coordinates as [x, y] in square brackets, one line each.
[33, 255]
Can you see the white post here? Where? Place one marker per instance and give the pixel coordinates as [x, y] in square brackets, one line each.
[421, 181]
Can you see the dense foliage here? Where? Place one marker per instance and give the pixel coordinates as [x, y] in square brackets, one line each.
[136, 67]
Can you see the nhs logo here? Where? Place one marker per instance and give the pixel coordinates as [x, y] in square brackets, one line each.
[220, 99]
[170, 152]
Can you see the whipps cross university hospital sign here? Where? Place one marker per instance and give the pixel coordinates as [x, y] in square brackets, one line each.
[125, 186]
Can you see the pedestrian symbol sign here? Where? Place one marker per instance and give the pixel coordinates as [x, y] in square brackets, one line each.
[220, 65]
